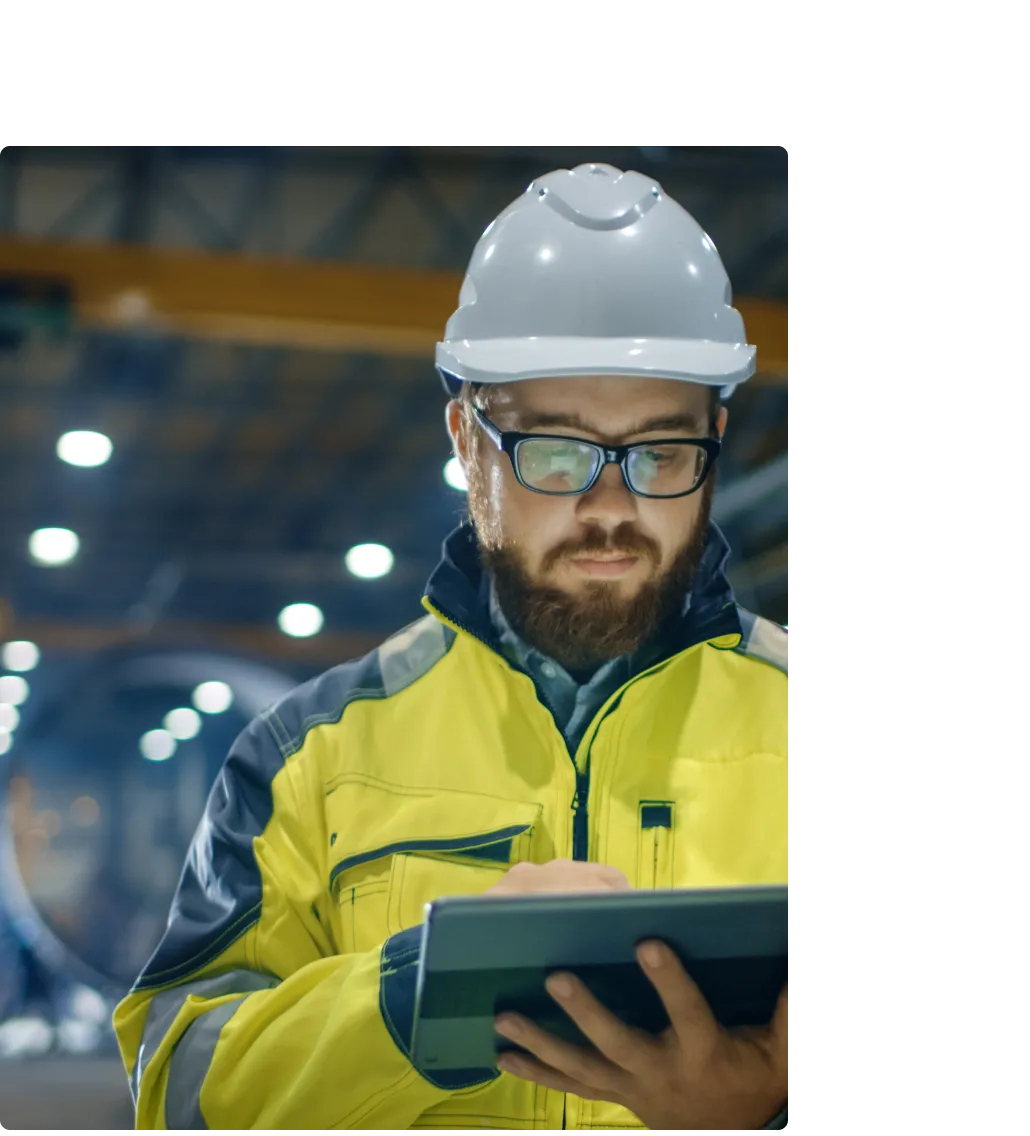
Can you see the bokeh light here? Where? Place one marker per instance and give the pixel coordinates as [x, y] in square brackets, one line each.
[157, 745]
[212, 697]
[20, 655]
[183, 723]
[13, 690]
[301, 620]
[369, 561]
[84, 448]
[454, 475]
[85, 811]
[52, 547]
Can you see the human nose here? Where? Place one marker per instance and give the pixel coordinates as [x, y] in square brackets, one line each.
[608, 503]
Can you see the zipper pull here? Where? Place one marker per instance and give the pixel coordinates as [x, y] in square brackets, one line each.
[580, 837]
[579, 797]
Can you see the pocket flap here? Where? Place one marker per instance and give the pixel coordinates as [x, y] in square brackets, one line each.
[417, 879]
[370, 820]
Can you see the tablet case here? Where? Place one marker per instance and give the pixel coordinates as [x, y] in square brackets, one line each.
[483, 955]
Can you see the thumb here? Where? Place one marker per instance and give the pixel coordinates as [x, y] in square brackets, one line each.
[779, 1022]
[778, 1028]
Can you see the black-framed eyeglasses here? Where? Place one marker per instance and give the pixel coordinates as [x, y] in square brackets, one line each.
[562, 467]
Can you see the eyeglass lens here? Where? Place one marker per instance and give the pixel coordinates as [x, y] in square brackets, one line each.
[561, 466]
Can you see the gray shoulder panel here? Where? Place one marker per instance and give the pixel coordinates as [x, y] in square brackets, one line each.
[413, 652]
[762, 639]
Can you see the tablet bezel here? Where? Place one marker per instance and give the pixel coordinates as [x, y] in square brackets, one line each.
[553, 931]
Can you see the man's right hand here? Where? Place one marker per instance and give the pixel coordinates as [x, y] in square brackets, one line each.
[565, 876]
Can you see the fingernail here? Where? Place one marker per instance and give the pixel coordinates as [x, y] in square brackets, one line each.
[651, 953]
[560, 986]
[508, 1024]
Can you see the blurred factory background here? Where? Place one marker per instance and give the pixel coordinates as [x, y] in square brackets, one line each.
[223, 468]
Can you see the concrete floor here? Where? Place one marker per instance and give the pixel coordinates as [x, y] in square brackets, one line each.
[64, 1093]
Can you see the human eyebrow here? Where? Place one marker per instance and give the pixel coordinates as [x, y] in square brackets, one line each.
[675, 422]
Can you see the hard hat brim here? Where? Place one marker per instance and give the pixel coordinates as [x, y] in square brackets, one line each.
[703, 361]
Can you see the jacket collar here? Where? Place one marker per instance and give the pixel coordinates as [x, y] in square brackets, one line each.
[458, 590]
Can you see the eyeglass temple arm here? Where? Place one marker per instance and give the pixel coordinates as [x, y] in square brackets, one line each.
[491, 430]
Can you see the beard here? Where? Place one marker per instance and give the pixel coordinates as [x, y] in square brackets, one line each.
[585, 629]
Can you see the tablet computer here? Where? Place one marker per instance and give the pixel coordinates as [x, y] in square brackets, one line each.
[483, 955]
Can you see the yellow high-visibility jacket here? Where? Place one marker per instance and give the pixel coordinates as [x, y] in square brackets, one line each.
[282, 993]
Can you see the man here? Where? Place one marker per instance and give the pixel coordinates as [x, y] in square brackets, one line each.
[584, 708]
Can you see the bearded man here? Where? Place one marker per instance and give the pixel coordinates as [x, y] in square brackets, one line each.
[584, 707]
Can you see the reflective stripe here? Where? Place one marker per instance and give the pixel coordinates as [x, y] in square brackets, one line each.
[191, 1059]
[763, 640]
[162, 1011]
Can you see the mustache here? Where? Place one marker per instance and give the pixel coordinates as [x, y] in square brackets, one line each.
[624, 541]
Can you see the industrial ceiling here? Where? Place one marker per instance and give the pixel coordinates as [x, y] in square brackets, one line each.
[253, 329]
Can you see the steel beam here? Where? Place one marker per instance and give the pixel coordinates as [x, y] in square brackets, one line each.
[307, 304]
[327, 647]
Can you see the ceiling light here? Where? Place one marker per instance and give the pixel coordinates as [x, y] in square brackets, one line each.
[212, 697]
[301, 620]
[183, 723]
[369, 561]
[9, 717]
[454, 475]
[84, 448]
[157, 745]
[13, 690]
[53, 546]
[20, 655]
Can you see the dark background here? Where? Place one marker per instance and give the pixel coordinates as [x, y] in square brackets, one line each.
[254, 330]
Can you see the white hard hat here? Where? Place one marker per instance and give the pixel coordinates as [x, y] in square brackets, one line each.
[595, 271]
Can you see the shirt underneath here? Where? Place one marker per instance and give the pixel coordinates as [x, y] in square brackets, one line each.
[573, 696]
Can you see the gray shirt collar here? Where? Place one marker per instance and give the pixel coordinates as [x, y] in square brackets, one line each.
[572, 704]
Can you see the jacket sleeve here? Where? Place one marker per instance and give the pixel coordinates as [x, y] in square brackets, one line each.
[779, 1120]
[246, 1017]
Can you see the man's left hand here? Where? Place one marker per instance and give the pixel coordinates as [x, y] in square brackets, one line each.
[695, 1074]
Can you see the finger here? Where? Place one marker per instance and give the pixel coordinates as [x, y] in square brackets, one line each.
[624, 1046]
[778, 1028]
[575, 1061]
[690, 1016]
[779, 1021]
[529, 1069]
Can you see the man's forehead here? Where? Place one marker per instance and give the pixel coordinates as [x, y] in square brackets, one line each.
[602, 396]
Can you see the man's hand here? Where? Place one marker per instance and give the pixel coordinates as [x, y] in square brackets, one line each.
[694, 1075]
[559, 876]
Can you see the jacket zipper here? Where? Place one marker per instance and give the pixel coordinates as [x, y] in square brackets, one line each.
[580, 831]
[580, 825]
[580, 821]
[580, 818]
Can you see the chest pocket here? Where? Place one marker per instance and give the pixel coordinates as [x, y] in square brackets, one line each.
[394, 849]
[656, 866]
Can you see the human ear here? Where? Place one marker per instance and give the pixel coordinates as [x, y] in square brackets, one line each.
[457, 429]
